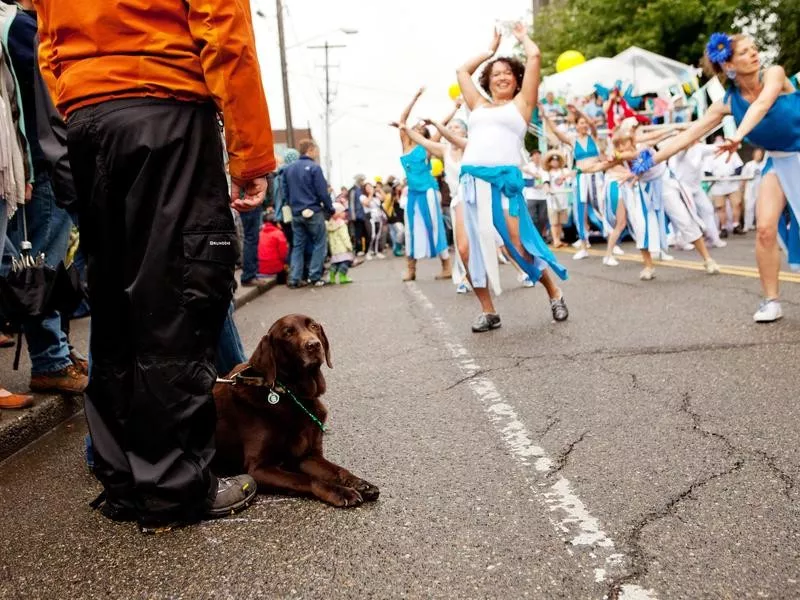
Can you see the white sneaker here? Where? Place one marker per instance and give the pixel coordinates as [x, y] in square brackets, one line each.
[647, 274]
[712, 268]
[370, 256]
[462, 288]
[380, 255]
[686, 247]
[526, 282]
[610, 261]
[665, 257]
[617, 251]
[768, 311]
[577, 244]
[502, 258]
[581, 254]
[720, 244]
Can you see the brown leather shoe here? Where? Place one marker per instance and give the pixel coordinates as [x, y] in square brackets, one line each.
[68, 380]
[14, 401]
[6, 341]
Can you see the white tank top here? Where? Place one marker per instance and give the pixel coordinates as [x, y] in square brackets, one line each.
[452, 171]
[496, 136]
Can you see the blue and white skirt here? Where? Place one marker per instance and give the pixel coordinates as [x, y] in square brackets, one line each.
[425, 233]
[786, 166]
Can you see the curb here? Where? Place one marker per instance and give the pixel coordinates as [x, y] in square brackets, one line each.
[16, 432]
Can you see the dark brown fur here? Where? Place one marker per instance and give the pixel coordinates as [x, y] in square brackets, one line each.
[279, 445]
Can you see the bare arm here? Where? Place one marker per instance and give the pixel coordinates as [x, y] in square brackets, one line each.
[404, 139]
[699, 129]
[435, 148]
[562, 137]
[655, 136]
[437, 136]
[454, 139]
[528, 96]
[464, 73]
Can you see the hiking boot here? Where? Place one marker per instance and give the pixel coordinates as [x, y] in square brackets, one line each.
[14, 401]
[559, 308]
[485, 322]
[234, 494]
[68, 380]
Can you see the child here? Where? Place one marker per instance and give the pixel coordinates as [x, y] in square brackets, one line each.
[340, 245]
[556, 185]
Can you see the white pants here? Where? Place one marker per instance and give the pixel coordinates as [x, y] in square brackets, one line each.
[705, 210]
[683, 216]
[750, 198]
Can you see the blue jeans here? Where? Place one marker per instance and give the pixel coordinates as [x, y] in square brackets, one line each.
[306, 231]
[48, 231]
[229, 348]
[251, 224]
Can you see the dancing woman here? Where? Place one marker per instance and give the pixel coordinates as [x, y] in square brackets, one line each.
[766, 109]
[491, 179]
[588, 195]
[424, 226]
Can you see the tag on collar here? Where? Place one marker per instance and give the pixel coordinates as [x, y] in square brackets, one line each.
[273, 397]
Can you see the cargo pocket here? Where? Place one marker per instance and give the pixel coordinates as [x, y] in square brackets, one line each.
[209, 264]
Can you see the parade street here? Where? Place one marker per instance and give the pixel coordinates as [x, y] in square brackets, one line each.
[645, 448]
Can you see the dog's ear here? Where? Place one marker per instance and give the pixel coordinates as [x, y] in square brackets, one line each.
[263, 360]
[326, 345]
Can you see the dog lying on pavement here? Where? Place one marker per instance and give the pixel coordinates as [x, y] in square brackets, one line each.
[270, 419]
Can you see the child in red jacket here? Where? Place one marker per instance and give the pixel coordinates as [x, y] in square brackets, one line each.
[273, 250]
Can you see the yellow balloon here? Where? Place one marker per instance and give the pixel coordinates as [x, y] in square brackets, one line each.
[454, 91]
[569, 59]
[437, 167]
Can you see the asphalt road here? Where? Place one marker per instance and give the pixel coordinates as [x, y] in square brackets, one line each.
[646, 448]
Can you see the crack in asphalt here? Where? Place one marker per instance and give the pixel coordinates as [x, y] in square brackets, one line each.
[560, 460]
[552, 421]
[786, 479]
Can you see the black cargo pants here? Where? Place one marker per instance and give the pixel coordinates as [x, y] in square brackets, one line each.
[161, 246]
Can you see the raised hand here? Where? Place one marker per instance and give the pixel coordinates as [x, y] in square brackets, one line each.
[729, 147]
[495, 41]
[394, 124]
[420, 91]
[520, 31]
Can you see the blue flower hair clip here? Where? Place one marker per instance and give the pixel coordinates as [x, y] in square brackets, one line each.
[643, 162]
[719, 48]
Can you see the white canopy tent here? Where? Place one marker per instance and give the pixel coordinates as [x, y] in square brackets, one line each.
[580, 80]
[672, 72]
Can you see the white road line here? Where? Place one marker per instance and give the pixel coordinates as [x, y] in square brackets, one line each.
[571, 518]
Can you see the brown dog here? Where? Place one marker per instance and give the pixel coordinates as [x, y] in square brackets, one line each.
[264, 431]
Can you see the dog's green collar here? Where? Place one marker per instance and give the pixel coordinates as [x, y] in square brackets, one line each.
[282, 389]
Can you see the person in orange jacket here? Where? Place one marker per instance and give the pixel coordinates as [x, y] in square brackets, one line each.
[141, 84]
[273, 249]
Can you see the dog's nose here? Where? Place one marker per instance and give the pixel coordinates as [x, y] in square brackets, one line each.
[312, 345]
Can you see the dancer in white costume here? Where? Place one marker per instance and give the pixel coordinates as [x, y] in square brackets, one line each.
[687, 166]
[491, 180]
[588, 197]
[752, 171]
[766, 108]
[672, 198]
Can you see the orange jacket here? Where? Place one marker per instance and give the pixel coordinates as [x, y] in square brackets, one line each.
[191, 50]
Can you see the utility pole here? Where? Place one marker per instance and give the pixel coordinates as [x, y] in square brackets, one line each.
[287, 105]
[328, 101]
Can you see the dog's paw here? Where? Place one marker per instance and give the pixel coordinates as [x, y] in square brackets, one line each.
[368, 491]
[337, 495]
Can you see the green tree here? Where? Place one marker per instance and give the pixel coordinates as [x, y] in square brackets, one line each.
[675, 28]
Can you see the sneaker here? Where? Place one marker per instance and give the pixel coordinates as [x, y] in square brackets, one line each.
[462, 288]
[14, 401]
[712, 268]
[768, 311]
[723, 234]
[559, 308]
[738, 230]
[259, 282]
[581, 254]
[665, 257]
[319, 283]
[647, 274]
[296, 285]
[719, 244]
[686, 247]
[344, 278]
[234, 494]
[521, 277]
[617, 251]
[577, 244]
[359, 254]
[502, 258]
[485, 322]
[370, 256]
[68, 380]
[380, 255]
[610, 261]
[526, 282]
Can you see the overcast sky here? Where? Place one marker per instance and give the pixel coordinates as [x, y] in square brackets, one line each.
[400, 46]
